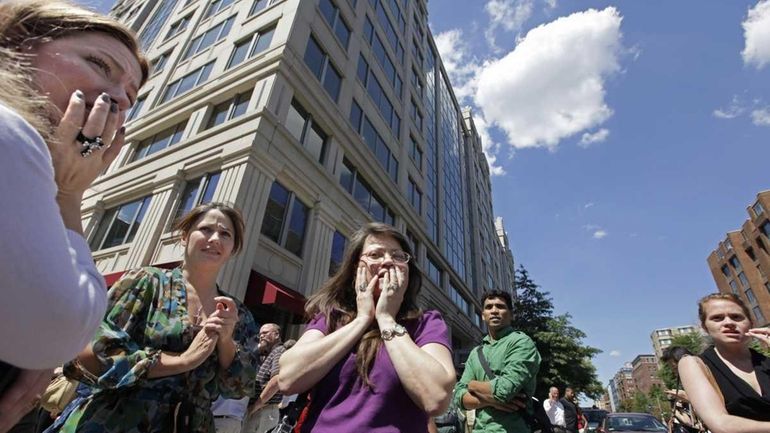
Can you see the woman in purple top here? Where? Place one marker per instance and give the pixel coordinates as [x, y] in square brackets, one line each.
[374, 361]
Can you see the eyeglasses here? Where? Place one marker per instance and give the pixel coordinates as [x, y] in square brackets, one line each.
[378, 256]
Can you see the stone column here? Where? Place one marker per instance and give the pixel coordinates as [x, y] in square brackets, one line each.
[90, 219]
[317, 254]
[246, 183]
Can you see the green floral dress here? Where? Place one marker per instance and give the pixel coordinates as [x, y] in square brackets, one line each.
[147, 314]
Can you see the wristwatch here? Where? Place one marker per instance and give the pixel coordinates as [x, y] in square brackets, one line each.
[396, 331]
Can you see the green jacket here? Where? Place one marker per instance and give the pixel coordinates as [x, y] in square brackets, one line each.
[515, 361]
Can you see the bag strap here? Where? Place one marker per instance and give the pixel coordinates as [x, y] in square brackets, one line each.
[484, 362]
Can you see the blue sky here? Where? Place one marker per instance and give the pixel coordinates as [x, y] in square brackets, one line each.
[631, 134]
[674, 127]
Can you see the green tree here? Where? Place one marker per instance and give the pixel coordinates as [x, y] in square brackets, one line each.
[566, 360]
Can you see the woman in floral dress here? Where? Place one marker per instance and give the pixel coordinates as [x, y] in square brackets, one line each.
[171, 341]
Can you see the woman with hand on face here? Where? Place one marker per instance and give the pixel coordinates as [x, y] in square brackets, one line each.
[374, 362]
[67, 78]
[729, 383]
[171, 342]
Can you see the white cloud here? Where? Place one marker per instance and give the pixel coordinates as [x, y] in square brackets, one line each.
[551, 86]
[735, 109]
[600, 234]
[551, 4]
[596, 137]
[508, 14]
[589, 204]
[615, 353]
[756, 31]
[489, 146]
[761, 117]
[458, 62]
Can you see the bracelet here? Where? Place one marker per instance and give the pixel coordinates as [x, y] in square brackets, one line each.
[396, 331]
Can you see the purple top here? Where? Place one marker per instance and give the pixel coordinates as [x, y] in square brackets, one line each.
[340, 403]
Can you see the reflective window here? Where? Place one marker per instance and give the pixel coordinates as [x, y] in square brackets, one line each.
[378, 96]
[120, 224]
[251, 46]
[743, 279]
[229, 109]
[179, 26]
[197, 191]
[285, 219]
[331, 14]
[338, 250]
[166, 138]
[364, 195]
[215, 6]
[320, 64]
[208, 38]
[759, 316]
[259, 5]
[160, 62]
[188, 82]
[136, 108]
[434, 271]
[301, 125]
[414, 152]
[414, 195]
[156, 23]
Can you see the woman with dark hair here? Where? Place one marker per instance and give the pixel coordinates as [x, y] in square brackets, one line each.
[729, 383]
[683, 419]
[373, 360]
[172, 341]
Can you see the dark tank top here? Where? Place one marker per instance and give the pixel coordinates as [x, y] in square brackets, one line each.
[740, 398]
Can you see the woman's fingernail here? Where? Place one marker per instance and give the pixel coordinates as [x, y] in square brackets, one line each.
[105, 97]
[78, 94]
[114, 107]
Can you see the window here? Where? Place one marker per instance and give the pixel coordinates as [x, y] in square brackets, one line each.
[259, 5]
[728, 244]
[356, 114]
[373, 87]
[416, 115]
[434, 271]
[251, 46]
[333, 17]
[338, 251]
[285, 219]
[120, 224]
[758, 209]
[353, 183]
[414, 195]
[766, 228]
[136, 108]
[301, 125]
[383, 58]
[750, 253]
[750, 296]
[156, 23]
[726, 270]
[743, 279]
[390, 31]
[458, 299]
[417, 82]
[229, 109]
[413, 242]
[160, 62]
[197, 191]
[734, 287]
[735, 262]
[720, 254]
[216, 6]
[166, 138]
[415, 153]
[377, 145]
[758, 314]
[319, 63]
[188, 82]
[208, 38]
[178, 27]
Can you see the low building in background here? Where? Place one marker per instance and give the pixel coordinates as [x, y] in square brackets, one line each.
[645, 373]
[663, 337]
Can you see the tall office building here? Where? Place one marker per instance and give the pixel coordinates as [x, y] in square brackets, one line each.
[741, 261]
[313, 117]
[663, 337]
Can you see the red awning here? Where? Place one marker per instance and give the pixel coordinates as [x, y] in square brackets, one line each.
[113, 277]
[265, 291]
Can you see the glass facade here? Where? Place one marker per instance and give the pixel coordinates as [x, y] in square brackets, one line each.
[158, 20]
[453, 169]
[431, 144]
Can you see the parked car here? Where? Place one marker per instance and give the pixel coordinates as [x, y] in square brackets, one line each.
[594, 418]
[630, 423]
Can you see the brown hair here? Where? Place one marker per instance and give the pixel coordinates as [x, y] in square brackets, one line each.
[186, 222]
[724, 297]
[336, 299]
[25, 23]
[18, 94]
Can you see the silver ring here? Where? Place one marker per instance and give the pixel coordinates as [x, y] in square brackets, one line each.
[89, 144]
[362, 288]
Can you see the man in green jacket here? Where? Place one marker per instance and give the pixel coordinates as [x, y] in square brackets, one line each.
[514, 361]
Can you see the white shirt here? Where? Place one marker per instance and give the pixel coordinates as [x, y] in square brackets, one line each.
[555, 411]
[53, 297]
[230, 407]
